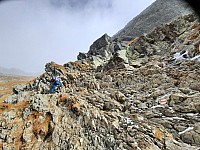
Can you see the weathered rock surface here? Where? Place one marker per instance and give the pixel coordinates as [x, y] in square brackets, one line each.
[160, 12]
[140, 96]
[102, 50]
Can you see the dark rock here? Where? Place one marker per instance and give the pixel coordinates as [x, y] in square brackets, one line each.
[191, 137]
[100, 46]
[81, 56]
[166, 11]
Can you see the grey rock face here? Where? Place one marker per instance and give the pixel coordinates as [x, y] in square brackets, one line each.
[159, 12]
[156, 20]
[99, 48]
[96, 47]
[102, 50]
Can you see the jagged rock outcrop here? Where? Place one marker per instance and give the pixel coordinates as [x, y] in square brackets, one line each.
[143, 95]
[102, 50]
[167, 41]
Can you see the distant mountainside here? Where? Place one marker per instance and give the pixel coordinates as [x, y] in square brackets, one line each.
[14, 71]
[161, 11]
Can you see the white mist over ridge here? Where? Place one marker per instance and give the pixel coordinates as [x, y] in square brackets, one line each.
[35, 32]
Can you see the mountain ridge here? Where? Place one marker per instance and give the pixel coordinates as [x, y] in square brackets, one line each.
[15, 71]
[121, 95]
[159, 12]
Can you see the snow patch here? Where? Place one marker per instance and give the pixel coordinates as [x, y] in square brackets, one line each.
[185, 56]
[178, 55]
[173, 118]
[192, 114]
[158, 106]
[186, 130]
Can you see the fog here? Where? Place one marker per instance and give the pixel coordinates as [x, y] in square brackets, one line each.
[34, 32]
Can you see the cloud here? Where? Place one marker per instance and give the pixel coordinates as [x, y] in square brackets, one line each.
[33, 33]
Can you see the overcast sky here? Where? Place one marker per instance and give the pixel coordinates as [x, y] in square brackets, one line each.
[34, 32]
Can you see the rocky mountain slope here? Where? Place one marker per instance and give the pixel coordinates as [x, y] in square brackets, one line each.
[7, 83]
[161, 11]
[140, 94]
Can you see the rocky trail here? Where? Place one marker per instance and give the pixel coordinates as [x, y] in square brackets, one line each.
[140, 96]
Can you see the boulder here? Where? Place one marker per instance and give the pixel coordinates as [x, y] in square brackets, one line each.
[100, 46]
[81, 56]
[19, 88]
[191, 137]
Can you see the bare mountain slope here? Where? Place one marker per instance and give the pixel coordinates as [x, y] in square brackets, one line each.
[161, 11]
[143, 96]
[154, 105]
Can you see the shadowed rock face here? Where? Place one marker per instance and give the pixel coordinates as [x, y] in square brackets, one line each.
[161, 11]
[143, 95]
